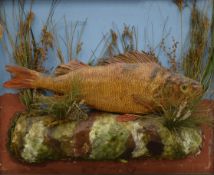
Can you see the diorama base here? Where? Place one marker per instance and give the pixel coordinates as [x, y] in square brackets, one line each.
[203, 163]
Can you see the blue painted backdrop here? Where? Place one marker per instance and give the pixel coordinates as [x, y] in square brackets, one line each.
[149, 17]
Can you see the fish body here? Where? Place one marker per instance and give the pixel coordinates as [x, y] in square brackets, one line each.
[122, 87]
[118, 87]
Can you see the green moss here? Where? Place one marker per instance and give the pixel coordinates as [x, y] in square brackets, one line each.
[108, 138]
[63, 130]
[191, 140]
[35, 149]
[169, 142]
[35, 139]
[178, 144]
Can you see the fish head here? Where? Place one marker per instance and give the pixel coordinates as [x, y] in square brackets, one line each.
[182, 88]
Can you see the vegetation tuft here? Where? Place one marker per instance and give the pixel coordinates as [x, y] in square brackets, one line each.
[66, 107]
[187, 115]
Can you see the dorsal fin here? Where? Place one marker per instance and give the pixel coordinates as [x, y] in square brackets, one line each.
[69, 67]
[129, 57]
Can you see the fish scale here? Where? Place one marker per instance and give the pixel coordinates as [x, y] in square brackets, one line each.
[116, 91]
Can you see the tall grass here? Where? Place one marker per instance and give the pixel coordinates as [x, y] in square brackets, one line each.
[209, 69]
[67, 107]
[29, 51]
[23, 47]
[193, 61]
[72, 41]
[198, 62]
[117, 42]
[1, 31]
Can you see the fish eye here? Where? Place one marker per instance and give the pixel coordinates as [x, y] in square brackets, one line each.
[184, 88]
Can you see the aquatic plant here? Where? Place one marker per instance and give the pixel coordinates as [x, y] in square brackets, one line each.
[186, 116]
[193, 61]
[1, 31]
[170, 54]
[28, 51]
[72, 41]
[180, 4]
[68, 106]
[116, 42]
[23, 47]
[208, 73]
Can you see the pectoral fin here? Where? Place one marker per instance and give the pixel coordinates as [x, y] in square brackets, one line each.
[143, 102]
[127, 117]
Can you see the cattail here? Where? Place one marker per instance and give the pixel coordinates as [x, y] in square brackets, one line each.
[47, 38]
[180, 4]
[29, 20]
[42, 53]
[114, 37]
[1, 31]
[127, 38]
[194, 58]
[79, 47]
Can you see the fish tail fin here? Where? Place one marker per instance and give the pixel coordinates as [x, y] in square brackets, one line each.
[22, 77]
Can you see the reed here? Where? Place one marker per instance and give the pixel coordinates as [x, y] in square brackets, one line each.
[66, 107]
[170, 53]
[209, 68]
[23, 47]
[1, 31]
[72, 41]
[185, 115]
[193, 61]
[197, 62]
[117, 42]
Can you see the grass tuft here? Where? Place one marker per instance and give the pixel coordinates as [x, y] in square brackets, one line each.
[184, 115]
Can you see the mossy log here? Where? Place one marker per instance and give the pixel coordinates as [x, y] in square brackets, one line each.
[102, 136]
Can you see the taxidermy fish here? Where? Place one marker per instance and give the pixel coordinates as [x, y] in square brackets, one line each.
[128, 83]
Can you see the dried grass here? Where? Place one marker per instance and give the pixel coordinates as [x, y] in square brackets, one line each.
[193, 61]
[72, 41]
[1, 31]
[23, 47]
[117, 42]
[170, 54]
